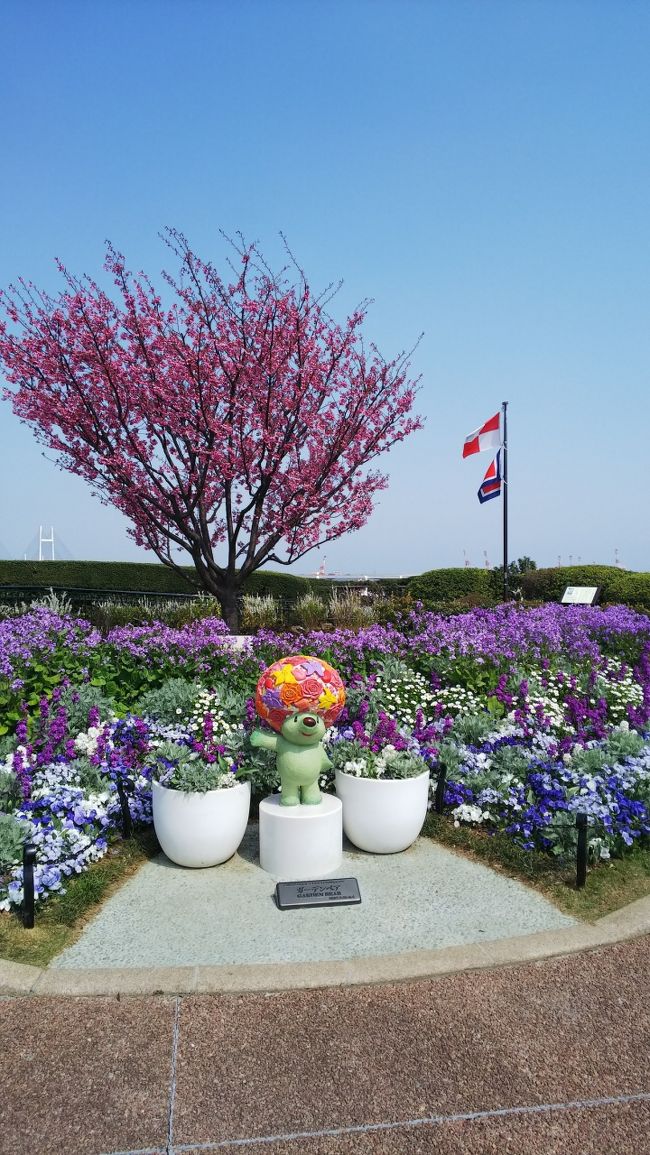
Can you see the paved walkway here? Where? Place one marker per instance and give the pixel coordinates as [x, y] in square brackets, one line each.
[454, 1012]
[549, 1058]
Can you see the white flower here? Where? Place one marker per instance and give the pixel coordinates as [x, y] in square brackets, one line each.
[354, 767]
[466, 812]
[87, 743]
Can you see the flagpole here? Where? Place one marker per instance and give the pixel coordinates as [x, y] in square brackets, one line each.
[504, 407]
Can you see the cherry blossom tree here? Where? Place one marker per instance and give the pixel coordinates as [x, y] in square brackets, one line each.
[236, 421]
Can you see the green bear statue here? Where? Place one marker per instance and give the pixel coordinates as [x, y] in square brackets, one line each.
[299, 755]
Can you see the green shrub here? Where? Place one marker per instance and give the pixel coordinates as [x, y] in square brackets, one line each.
[13, 832]
[78, 700]
[10, 790]
[510, 760]
[260, 612]
[473, 728]
[88, 775]
[98, 575]
[310, 611]
[145, 577]
[548, 585]
[446, 585]
[171, 701]
[286, 587]
[389, 610]
[623, 744]
[108, 614]
[177, 614]
[347, 610]
[8, 744]
[629, 589]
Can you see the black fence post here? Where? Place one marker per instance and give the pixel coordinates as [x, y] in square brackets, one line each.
[581, 858]
[29, 858]
[440, 790]
[127, 824]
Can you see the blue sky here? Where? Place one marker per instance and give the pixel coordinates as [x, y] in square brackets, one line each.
[480, 169]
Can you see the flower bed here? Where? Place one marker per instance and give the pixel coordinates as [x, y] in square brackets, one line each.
[534, 715]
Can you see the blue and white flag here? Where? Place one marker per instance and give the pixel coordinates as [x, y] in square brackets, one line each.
[491, 483]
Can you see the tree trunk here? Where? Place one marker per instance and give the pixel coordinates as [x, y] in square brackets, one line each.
[229, 602]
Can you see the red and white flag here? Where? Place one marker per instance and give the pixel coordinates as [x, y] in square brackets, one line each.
[487, 437]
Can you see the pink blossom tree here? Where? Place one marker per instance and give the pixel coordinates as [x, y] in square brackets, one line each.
[236, 422]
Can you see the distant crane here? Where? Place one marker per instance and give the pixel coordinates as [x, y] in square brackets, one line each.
[323, 572]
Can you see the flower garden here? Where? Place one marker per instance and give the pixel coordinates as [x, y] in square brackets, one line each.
[533, 715]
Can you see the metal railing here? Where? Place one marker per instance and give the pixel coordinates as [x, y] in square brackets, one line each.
[10, 594]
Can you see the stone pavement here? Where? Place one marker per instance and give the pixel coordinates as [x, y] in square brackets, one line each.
[454, 1011]
[549, 1058]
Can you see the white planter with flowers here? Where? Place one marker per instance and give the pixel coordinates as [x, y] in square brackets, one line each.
[200, 806]
[384, 797]
[200, 829]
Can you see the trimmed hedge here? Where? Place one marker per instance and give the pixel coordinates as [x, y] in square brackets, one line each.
[548, 585]
[630, 589]
[95, 575]
[285, 586]
[447, 585]
[143, 577]
[458, 586]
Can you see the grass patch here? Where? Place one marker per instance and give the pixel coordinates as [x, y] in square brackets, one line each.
[609, 886]
[60, 920]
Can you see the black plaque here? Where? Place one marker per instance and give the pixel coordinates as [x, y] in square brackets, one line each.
[317, 892]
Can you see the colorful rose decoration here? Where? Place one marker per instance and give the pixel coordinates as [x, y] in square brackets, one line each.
[298, 684]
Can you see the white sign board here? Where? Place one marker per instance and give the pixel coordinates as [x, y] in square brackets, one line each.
[580, 595]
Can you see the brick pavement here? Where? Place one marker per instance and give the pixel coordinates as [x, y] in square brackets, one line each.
[550, 1057]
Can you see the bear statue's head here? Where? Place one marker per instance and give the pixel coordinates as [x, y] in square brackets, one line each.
[304, 729]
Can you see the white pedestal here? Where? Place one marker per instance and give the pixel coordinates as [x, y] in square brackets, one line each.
[301, 842]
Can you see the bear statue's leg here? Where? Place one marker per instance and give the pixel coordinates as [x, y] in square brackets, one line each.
[310, 795]
[289, 795]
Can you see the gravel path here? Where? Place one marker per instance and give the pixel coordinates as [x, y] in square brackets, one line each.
[423, 899]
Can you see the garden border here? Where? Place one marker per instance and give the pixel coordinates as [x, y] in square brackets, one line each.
[631, 921]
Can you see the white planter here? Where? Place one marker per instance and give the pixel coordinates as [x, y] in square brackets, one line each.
[381, 815]
[200, 829]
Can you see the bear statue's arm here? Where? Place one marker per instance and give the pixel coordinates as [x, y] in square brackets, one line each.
[325, 762]
[265, 741]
